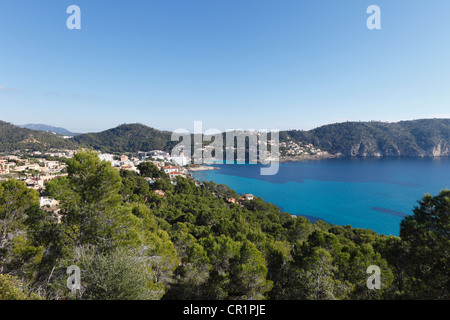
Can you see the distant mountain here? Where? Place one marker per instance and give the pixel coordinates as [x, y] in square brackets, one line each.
[44, 127]
[425, 137]
[13, 138]
[128, 138]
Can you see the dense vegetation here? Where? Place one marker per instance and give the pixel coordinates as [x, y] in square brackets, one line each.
[132, 243]
[426, 137]
[128, 138]
[15, 138]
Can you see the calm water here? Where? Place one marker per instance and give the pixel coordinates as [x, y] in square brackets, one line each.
[363, 193]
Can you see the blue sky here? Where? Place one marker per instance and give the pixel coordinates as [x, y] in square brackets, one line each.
[262, 64]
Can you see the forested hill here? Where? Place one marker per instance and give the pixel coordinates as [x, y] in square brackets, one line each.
[15, 138]
[128, 138]
[188, 242]
[425, 137]
[124, 138]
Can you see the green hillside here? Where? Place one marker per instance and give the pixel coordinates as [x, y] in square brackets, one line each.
[191, 243]
[426, 137]
[15, 138]
[127, 138]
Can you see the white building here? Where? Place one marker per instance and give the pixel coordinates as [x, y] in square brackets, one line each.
[45, 201]
[106, 157]
[181, 161]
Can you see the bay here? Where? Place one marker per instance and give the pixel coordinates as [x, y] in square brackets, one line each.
[373, 193]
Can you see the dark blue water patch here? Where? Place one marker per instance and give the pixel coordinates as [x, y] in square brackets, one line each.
[364, 193]
[389, 211]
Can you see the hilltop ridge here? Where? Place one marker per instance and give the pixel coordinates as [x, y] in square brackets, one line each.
[423, 137]
[414, 138]
[45, 127]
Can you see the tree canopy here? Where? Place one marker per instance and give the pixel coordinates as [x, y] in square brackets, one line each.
[132, 243]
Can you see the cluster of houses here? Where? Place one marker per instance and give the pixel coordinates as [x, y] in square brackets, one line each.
[174, 172]
[292, 148]
[121, 163]
[158, 157]
[125, 163]
[66, 153]
[33, 171]
[36, 171]
[172, 166]
[245, 197]
[155, 154]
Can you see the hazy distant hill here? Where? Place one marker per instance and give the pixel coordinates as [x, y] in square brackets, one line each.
[15, 138]
[426, 137]
[128, 138]
[44, 127]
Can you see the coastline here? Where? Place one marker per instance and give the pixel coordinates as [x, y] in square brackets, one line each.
[198, 167]
[307, 157]
[299, 187]
[203, 167]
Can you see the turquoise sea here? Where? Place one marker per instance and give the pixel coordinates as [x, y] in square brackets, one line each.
[364, 193]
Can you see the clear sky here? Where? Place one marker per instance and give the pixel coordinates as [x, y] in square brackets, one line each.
[262, 64]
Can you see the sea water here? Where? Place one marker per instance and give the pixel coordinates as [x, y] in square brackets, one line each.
[374, 193]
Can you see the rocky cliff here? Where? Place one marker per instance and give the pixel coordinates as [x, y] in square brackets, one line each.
[417, 138]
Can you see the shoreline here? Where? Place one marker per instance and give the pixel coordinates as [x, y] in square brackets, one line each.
[299, 158]
[199, 167]
[205, 167]
[308, 157]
